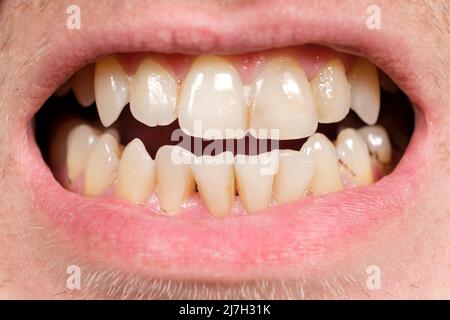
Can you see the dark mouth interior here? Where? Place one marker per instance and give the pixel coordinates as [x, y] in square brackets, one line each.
[396, 116]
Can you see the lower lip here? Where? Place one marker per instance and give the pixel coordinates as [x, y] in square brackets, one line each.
[272, 244]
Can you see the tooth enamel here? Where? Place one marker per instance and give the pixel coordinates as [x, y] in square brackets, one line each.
[212, 100]
[175, 182]
[111, 90]
[354, 156]
[254, 179]
[83, 86]
[326, 177]
[80, 143]
[365, 88]
[293, 177]
[332, 92]
[378, 142]
[136, 175]
[101, 166]
[153, 95]
[283, 100]
[215, 182]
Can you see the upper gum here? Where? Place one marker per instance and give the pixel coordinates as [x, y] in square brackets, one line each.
[311, 59]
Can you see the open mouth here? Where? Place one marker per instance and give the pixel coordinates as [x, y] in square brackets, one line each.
[224, 135]
[215, 157]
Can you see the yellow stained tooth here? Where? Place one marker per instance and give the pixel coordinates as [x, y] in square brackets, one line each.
[377, 140]
[283, 100]
[153, 95]
[175, 182]
[254, 179]
[215, 182]
[365, 88]
[101, 167]
[80, 143]
[326, 177]
[136, 175]
[212, 100]
[294, 176]
[83, 85]
[354, 155]
[332, 92]
[111, 90]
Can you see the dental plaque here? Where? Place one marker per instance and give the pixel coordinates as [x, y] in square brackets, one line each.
[235, 134]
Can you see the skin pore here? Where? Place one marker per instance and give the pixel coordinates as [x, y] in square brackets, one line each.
[412, 251]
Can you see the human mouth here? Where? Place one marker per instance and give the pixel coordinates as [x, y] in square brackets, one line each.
[121, 177]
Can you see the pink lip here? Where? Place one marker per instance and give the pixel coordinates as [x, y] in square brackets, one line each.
[276, 243]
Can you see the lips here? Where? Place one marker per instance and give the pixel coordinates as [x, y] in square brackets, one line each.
[276, 243]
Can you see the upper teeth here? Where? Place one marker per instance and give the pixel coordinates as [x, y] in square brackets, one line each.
[213, 103]
[111, 90]
[153, 95]
[212, 94]
[283, 100]
[365, 91]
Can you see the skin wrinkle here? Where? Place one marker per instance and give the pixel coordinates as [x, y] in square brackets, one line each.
[43, 255]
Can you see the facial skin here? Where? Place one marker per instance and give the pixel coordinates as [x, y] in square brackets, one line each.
[412, 250]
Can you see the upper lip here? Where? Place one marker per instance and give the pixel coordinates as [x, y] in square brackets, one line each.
[263, 245]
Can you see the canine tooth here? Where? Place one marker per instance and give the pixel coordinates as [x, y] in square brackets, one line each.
[377, 140]
[83, 85]
[293, 177]
[175, 182]
[136, 175]
[326, 177]
[80, 143]
[365, 88]
[332, 92]
[111, 90]
[354, 155]
[254, 179]
[101, 166]
[212, 100]
[153, 95]
[215, 182]
[283, 100]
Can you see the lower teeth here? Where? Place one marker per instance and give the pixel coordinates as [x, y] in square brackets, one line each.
[97, 165]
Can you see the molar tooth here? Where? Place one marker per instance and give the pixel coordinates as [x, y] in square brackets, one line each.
[212, 97]
[377, 140]
[254, 179]
[136, 175]
[354, 155]
[365, 88]
[332, 92]
[175, 182]
[111, 90]
[153, 95]
[326, 177]
[101, 166]
[80, 143]
[83, 85]
[283, 100]
[215, 182]
[293, 177]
